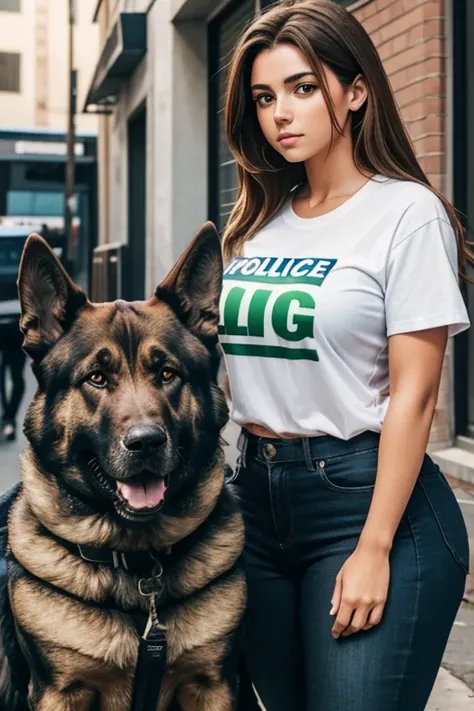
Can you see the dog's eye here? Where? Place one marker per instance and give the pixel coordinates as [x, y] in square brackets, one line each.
[167, 375]
[97, 379]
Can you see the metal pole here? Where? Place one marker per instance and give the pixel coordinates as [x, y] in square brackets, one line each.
[70, 140]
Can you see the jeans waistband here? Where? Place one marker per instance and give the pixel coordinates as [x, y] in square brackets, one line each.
[302, 449]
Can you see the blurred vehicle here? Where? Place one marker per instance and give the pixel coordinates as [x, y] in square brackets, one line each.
[32, 191]
[12, 240]
[12, 357]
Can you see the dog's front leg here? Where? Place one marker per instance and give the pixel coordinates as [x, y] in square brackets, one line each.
[194, 696]
[51, 699]
[117, 694]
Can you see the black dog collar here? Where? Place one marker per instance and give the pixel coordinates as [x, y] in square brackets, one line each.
[137, 562]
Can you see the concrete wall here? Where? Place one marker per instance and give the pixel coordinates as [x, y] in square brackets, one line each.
[17, 35]
[39, 33]
[86, 39]
[172, 80]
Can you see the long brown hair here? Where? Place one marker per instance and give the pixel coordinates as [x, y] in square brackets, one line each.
[327, 34]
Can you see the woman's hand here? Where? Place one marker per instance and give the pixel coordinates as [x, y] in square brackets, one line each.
[360, 592]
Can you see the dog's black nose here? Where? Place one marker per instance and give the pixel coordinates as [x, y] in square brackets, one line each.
[144, 437]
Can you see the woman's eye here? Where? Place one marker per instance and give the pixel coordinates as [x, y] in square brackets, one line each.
[306, 89]
[167, 375]
[98, 380]
[264, 99]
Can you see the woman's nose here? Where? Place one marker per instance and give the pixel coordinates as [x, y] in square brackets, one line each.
[282, 113]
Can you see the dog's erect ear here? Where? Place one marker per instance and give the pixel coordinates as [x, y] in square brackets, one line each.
[49, 299]
[195, 282]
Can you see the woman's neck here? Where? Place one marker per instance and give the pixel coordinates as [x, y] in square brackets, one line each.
[332, 176]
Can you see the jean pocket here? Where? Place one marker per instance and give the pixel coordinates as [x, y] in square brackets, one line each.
[352, 473]
[448, 515]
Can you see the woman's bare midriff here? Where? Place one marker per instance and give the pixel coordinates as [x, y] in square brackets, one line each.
[260, 431]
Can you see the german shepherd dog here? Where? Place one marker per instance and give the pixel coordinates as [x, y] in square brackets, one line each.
[122, 483]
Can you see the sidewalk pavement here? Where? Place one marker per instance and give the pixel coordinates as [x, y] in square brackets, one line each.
[450, 694]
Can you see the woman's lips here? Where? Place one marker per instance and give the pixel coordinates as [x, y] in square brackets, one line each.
[289, 141]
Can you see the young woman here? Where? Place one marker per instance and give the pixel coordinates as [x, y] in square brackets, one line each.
[340, 292]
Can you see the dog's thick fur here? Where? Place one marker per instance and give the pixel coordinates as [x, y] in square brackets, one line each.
[75, 622]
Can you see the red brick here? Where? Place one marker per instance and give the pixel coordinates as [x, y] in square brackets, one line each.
[422, 86]
[424, 107]
[426, 124]
[429, 143]
[438, 181]
[432, 164]
[403, 23]
[427, 49]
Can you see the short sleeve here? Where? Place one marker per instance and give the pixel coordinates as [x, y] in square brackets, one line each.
[422, 289]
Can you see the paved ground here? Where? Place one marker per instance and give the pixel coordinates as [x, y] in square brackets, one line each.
[454, 689]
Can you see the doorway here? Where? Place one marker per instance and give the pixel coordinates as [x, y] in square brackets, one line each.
[134, 286]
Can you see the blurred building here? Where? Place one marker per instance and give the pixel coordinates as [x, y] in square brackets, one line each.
[33, 62]
[164, 167]
[34, 104]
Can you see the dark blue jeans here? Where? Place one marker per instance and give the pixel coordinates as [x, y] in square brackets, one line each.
[305, 502]
[6, 501]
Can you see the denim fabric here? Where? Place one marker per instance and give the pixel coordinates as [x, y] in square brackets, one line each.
[6, 500]
[305, 502]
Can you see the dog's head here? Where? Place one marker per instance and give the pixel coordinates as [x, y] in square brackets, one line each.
[127, 410]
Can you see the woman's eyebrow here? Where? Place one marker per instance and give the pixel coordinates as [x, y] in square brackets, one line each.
[288, 80]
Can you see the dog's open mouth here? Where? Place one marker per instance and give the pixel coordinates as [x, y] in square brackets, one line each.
[138, 498]
[142, 492]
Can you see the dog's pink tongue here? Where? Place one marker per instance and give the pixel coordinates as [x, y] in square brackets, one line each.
[143, 495]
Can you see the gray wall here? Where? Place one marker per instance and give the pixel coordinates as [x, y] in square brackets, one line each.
[172, 79]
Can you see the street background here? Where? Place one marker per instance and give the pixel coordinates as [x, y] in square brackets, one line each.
[112, 145]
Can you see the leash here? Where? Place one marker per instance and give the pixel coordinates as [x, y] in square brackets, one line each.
[152, 651]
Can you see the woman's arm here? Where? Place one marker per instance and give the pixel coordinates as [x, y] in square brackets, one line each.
[415, 363]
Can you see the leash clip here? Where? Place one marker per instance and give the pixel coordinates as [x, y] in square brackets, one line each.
[149, 587]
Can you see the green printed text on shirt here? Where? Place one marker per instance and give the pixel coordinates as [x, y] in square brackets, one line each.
[257, 319]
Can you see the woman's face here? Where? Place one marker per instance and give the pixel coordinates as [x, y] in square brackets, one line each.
[291, 109]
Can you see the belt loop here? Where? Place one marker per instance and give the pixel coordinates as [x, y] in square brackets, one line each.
[307, 455]
[242, 444]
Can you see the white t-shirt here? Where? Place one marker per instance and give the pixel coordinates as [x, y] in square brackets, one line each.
[307, 310]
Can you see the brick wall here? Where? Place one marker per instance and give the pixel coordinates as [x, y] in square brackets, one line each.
[409, 36]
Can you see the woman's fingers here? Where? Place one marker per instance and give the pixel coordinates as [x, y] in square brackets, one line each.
[336, 596]
[359, 620]
[343, 619]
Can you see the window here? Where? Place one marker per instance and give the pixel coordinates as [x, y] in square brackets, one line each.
[10, 5]
[9, 72]
[28, 203]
